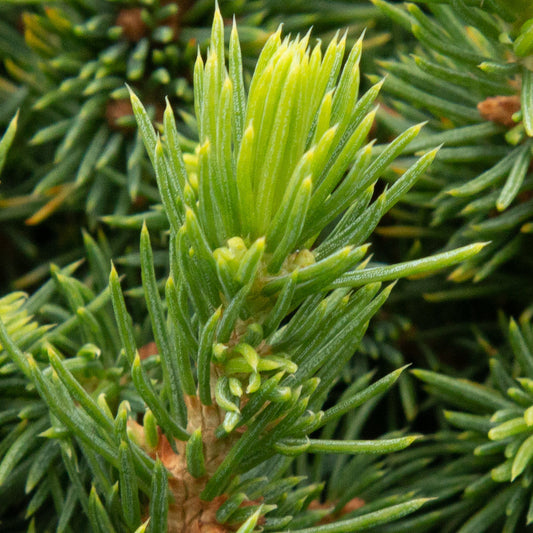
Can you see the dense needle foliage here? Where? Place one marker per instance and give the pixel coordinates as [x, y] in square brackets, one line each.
[213, 338]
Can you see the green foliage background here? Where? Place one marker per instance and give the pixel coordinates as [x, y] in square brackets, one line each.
[185, 220]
